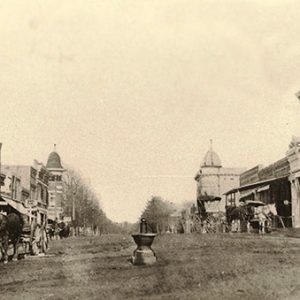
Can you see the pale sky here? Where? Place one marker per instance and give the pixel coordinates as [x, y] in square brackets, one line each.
[132, 91]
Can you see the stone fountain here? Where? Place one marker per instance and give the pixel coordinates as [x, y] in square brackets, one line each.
[143, 254]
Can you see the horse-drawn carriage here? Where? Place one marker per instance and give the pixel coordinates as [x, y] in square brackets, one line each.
[250, 216]
[20, 235]
[205, 218]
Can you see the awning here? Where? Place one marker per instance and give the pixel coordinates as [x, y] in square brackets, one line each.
[208, 198]
[260, 183]
[263, 188]
[16, 205]
[255, 203]
[247, 194]
[256, 185]
[232, 191]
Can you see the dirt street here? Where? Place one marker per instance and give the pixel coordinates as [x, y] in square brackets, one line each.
[228, 266]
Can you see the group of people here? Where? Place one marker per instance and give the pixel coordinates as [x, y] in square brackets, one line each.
[58, 230]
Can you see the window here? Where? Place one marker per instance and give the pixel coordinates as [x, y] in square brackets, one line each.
[32, 192]
[52, 202]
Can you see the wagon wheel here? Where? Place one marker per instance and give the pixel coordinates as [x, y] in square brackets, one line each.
[211, 224]
[196, 227]
[44, 240]
[39, 240]
[35, 240]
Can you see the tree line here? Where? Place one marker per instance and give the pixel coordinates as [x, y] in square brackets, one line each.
[82, 204]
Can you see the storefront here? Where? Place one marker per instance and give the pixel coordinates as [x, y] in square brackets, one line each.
[8, 205]
[270, 185]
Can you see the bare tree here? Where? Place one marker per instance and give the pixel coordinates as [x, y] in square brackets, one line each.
[83, 205]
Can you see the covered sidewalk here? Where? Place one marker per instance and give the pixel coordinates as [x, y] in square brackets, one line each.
[271, 191]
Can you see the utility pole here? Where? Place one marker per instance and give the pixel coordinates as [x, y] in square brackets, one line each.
[74, 190]
[73, 205]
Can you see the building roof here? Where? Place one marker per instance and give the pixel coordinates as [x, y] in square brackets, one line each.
[54, 161]
[258, 184]
[211, 159]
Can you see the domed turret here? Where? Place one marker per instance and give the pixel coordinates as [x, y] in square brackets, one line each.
[211, 159]
[54, 161]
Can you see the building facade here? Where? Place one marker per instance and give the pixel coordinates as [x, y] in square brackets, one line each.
[22, 178]
[26, 188]
[42, 193]
[214, 180]
[11, 193]
[278, 184]
[56, 186]
[36, 190]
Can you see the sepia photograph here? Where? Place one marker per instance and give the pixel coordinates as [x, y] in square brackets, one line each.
[149, 149]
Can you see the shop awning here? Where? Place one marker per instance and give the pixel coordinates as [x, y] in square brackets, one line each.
[247, 194]
[260, 183]
[16, 205]
[232, 191]
[258, 186]
[208, 198]
[263, 188]
[255, 203]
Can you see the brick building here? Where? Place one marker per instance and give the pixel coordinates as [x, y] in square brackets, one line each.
[56, 186]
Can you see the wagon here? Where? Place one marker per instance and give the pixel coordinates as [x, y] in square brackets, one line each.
[251, 215]
[33, 240]
[203, 221]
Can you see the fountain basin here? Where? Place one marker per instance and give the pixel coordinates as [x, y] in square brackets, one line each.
[144, 239]
[143, 254]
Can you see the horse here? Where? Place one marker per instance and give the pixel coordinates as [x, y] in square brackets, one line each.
[10, 230]
[50, 232]
[246, 213]
[236, 215]
[265, 214]
[51, 229]
[64, 230]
